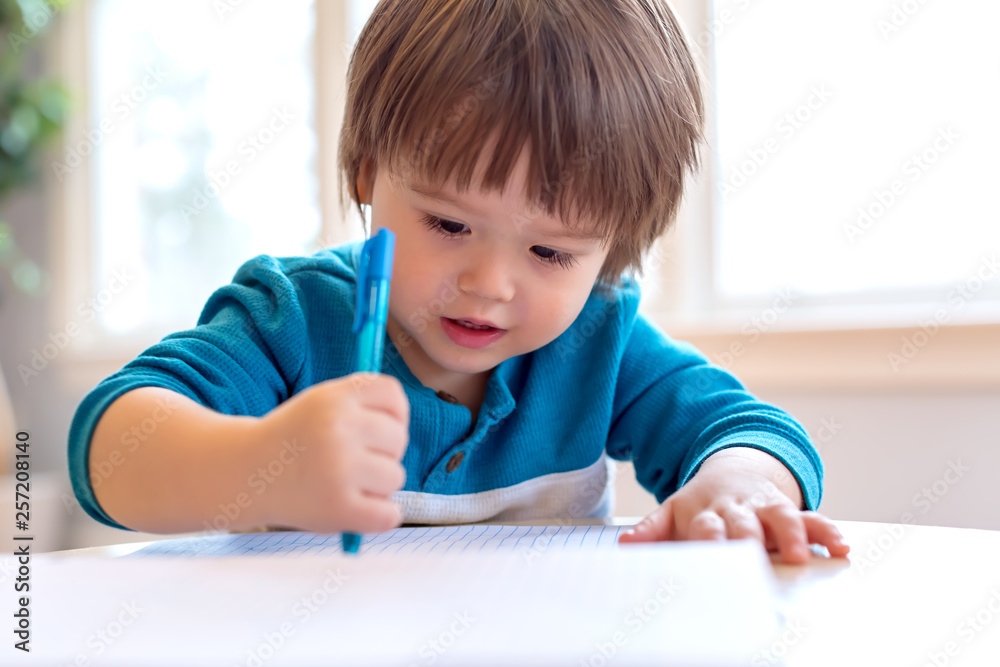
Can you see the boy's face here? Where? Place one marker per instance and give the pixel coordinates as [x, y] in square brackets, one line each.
[489, 257]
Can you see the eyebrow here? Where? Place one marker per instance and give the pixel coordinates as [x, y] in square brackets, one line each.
[444, 198]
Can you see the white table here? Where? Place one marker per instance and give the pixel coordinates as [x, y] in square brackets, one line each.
[908, 595]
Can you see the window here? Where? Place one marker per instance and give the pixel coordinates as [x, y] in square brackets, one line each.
[848, 167]
[203, 151]
[855, 150]
[774, 271]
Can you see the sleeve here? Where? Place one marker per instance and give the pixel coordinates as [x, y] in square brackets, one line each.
[246, 355]
[673, 409]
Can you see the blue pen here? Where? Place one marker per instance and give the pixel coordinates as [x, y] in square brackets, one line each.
[371, 313]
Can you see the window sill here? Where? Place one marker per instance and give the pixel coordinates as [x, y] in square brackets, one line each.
[953, 357]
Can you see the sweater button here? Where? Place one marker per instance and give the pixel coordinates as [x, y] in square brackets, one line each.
[454, 461]
[445, 396]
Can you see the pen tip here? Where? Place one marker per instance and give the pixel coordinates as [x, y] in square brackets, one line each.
[351, 542]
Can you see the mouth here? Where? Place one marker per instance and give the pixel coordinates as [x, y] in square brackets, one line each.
[471, 333]
[471, 323]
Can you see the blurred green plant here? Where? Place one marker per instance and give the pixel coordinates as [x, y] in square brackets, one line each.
[32, 113]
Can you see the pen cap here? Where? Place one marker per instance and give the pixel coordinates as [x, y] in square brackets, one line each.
[380, 250]
[375, 265]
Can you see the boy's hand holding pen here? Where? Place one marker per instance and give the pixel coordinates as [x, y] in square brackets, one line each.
[349, 436]
[352, 431]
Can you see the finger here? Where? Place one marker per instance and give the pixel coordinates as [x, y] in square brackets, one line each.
[380, 475]
[821, 530]
[385, 435]
[385, 393]
[656, 526]
[742, 523]
[706, 525]
[370, 514]
[785, 526]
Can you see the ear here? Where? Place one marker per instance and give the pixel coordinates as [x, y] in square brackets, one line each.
[365, 183]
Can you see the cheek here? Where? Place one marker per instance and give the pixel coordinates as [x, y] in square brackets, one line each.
[558, 308]
[416, 282]
[416, 272]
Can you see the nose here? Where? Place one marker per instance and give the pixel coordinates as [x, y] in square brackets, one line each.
[487, 276]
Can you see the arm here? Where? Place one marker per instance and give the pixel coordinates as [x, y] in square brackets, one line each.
[721, 462]
[739, 460]
[237, 362]
[739, 493]
[224, 426]
[674, 410]
[189, 473]
[326, 460]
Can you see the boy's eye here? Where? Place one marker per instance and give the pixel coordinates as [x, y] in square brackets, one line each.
[450, 229]
[553, 256]
[446, 228]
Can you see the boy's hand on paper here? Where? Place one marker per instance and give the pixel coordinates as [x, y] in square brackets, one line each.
[742, 493]
[350, 435]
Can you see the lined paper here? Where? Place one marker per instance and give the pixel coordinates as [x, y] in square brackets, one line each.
[458, 597]
[410, 540]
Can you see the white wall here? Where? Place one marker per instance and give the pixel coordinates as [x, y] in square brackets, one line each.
[883, 450]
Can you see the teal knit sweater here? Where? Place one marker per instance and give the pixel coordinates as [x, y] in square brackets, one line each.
[612, 386]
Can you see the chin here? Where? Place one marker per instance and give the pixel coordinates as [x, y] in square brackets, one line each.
[471, 362]
[470, 368]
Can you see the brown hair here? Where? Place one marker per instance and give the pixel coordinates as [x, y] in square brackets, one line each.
[605, 94]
